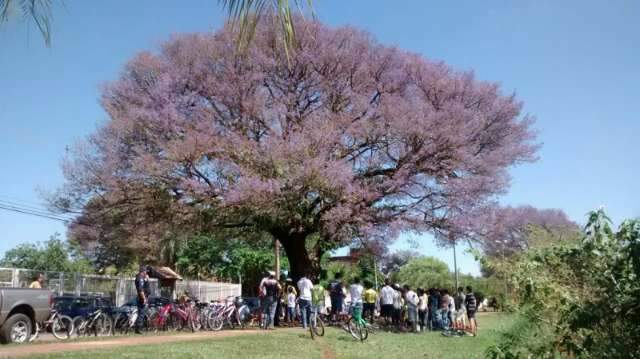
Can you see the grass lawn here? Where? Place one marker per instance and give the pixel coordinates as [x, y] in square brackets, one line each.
[335, 344]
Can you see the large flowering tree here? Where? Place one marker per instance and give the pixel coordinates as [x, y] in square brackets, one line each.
[349, 140]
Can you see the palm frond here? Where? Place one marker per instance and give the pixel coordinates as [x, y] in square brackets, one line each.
[246, 14]
[38, 11]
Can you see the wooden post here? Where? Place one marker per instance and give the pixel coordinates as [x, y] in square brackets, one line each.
[277, 253]
[455, 262]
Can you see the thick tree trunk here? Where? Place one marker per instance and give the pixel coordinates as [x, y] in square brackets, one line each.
[299, 259]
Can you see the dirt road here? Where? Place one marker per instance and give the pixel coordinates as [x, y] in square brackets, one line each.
[14, 351]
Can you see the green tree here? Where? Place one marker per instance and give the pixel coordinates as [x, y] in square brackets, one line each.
[207, 256]
[53, 255]
[580, 299]
[425, 272]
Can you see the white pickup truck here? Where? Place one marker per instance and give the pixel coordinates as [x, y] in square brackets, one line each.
[20, 309]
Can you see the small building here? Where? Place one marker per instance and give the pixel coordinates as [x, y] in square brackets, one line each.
[167, 279]
[351, 259]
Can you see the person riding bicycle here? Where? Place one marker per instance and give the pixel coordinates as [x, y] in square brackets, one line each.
[336, 294]
[142, 291]
[317, 299]
[355, 291]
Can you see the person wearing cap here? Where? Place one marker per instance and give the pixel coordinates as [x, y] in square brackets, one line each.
[142, 290]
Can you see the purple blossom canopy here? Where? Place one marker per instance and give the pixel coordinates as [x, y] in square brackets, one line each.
[350, 139]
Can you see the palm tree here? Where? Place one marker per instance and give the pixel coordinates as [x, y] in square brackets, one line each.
[38, 11]
[247, 13]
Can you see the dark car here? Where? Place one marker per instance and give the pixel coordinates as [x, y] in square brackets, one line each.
[133, 303]
[75, 306]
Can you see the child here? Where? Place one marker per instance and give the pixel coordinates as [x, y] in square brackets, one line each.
[291, 304]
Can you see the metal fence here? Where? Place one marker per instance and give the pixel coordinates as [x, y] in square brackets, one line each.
[119, 289]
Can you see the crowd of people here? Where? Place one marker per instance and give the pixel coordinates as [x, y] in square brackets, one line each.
[395, 307]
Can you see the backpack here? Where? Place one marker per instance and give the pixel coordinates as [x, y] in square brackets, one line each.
[335, 287]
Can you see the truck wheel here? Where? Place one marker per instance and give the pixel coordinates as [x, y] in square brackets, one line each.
[17, 329]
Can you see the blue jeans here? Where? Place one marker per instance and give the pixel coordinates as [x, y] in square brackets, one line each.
[140, 319]
[305, 311]
[268, 311]
[291, 311]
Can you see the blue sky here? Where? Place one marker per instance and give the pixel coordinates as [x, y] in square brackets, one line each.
[575, 64]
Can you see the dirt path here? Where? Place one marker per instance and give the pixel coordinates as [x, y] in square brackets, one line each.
[327, 351]
[57, 347]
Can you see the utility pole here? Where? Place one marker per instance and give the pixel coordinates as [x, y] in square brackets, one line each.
[277, 253]
[455, 261]
[504, 274]
[375, 272]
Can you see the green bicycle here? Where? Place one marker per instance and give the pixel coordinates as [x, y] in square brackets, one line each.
[358, 327]
[316, 325]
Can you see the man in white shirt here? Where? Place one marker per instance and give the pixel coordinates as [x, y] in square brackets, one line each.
[397, 306]
[355, 292]
[386, 301]
[305, 286]
[412, 307]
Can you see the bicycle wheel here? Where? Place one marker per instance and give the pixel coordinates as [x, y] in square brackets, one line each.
[358, 330]
[80, 326]
[62, 327]
[121, 323]
[36, 333]
[318, 327]
[196, 324]
[103, 326]
[175, 322]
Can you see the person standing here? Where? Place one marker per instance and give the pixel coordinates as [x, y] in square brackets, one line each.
[355, 292]
[269, 289]
[143, 292]
[305, 286]
[397, 306]
[444, 308]
[386, 301]
[38, 282]
[423, 309]
[317, 300]
[336, 294]
[291, 305]
[370, 297]
[411, 298]
[459, 299]
[288, 286]
[471, 304]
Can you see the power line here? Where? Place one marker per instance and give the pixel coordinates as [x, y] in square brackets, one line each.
[32, 209]
[34, 213]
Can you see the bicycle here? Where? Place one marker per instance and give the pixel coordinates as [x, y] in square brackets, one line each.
[98, 323]
[61, 326]
[185, 316]
[125, 322]
[316, 325]
[358, 327]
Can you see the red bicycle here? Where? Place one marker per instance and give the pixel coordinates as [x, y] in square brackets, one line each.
[176, 317]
